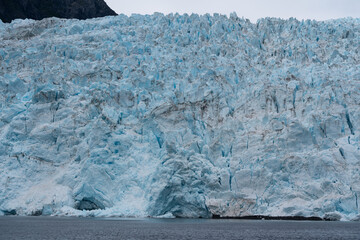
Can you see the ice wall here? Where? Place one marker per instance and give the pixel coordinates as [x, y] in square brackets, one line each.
[180, 115]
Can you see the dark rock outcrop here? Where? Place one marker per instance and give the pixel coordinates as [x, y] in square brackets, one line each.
[39, 9]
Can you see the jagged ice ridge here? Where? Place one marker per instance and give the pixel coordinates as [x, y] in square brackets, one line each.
[180, 115]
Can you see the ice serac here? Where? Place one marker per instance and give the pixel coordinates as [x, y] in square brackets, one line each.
[180, 115]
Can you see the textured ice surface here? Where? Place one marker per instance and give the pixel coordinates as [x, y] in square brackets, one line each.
[182, 116]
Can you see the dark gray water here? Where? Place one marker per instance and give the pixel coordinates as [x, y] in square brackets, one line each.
[93, 228]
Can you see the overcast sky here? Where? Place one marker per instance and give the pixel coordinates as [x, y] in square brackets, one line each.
[251, 9]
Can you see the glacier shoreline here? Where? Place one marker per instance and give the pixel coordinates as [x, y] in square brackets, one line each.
[180, 115]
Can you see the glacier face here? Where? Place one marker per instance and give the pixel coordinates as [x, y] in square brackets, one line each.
[180, 115]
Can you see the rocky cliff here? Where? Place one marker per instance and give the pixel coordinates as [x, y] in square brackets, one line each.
[39, 9]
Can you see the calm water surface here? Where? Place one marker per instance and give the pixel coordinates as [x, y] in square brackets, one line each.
[96, 228]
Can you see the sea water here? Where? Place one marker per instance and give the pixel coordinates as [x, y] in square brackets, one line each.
[32, 228]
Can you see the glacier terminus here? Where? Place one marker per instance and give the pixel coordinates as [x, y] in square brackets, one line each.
[180, 116]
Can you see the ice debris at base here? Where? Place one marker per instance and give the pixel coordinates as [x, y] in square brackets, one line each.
[180, 115]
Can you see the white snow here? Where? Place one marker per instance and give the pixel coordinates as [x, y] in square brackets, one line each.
[180, 115]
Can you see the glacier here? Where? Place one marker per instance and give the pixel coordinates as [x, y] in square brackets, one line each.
[180, 116]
